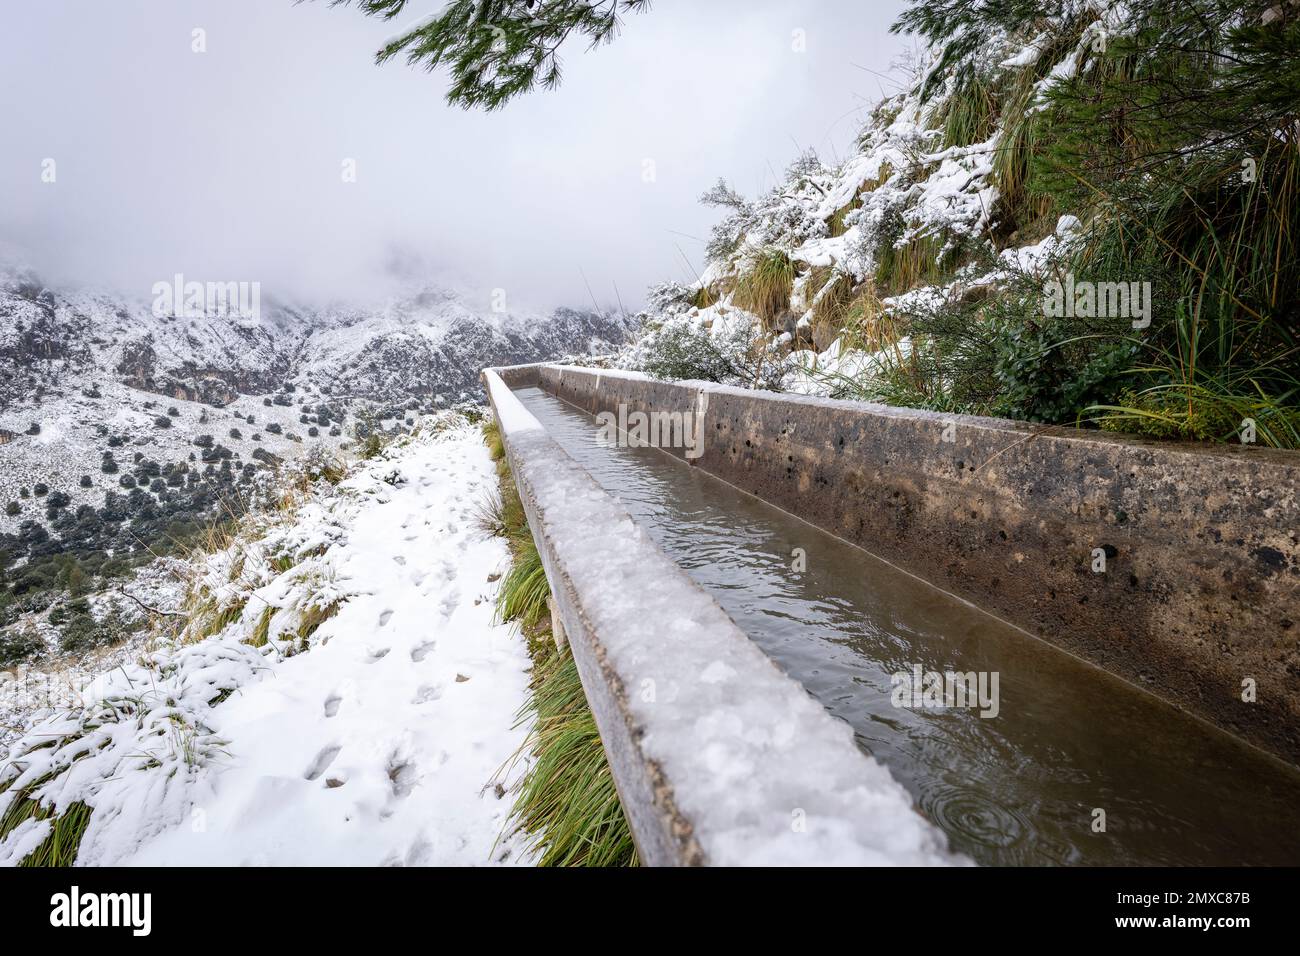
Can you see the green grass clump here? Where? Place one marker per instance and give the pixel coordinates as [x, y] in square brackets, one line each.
[262, 630]
[312, 618]
[566, 802]
[492, 437]
[836, 224]
[969, 114]
[371, 446]
[60, 846]
[524, 592]
[765, 287]
[915, 262]
[1194, 412]
[703, 297]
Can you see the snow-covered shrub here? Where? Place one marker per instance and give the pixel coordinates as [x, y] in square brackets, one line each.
[731, 353]
[19, 644]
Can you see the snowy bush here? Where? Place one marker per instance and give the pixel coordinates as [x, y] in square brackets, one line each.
[732, 353]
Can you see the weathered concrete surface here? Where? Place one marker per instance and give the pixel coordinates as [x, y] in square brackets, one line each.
[715, 752]
[1201, 588]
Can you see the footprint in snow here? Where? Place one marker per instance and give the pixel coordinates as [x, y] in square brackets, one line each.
[427, 694]
[403, 775]
[385, 618]
[420, 853]
[400, 560]
[377, 655]
[332, 704]
[422, 651]
[322, 761]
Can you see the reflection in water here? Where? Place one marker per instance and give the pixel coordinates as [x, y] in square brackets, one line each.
[1019, 788]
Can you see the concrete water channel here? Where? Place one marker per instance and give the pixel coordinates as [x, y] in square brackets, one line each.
[1017, 783]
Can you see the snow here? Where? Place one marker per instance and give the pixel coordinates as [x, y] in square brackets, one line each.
[70, 443]
[25, 838]
[1028, 55]
[763, 773]
[379, 740]
[906, 188]
[511, 414]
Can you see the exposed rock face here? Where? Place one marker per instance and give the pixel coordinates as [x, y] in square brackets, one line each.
[414, 347]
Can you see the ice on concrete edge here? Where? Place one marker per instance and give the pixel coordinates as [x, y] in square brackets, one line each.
[511, 413]
[763, 772]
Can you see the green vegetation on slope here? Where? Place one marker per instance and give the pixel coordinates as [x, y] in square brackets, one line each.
[1177, 144]
[566, 802]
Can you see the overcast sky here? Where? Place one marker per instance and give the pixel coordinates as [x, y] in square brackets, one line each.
[227, 164]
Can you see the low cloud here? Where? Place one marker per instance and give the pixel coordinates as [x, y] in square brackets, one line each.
[231, 164]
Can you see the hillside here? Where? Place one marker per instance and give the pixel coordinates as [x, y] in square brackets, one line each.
[1078, 213]
[125, 432]
[325, 661]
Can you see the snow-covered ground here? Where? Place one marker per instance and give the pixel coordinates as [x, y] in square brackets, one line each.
[74, 429]
[379, 738]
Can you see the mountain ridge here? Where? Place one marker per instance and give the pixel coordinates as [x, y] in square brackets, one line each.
[416, 344]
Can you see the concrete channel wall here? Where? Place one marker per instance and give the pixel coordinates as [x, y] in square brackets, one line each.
[1199, 599]
[718, 757]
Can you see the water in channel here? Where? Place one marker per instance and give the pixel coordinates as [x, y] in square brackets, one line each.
[1019, 788]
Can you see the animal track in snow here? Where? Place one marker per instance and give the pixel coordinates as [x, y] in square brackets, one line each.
[420, 652]
[332, 704]
[322, 761]
[384, 618]
[376, 655]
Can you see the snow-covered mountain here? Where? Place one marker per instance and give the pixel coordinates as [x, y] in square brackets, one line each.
[417, 345]
[120, 420]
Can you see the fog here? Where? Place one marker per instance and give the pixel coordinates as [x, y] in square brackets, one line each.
[229, 164]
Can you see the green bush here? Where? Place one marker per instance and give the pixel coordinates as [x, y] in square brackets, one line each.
[19, 645]
[683, 349]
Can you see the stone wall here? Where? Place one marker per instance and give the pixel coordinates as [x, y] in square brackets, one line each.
[1199, 599]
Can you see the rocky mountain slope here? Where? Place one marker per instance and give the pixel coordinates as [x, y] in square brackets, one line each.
[89, 378]
[418, 345]
[125, 430]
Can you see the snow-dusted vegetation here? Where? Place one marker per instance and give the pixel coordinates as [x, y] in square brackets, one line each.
[1122, 145]
[313, 667]
[266, 598]
[124, 433]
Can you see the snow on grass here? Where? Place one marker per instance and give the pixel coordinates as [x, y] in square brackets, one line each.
[339, 695]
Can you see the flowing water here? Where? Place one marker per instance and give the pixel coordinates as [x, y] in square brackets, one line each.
[1018, 788]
